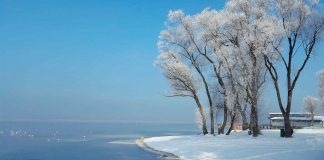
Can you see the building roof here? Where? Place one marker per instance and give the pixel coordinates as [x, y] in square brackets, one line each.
[318, 118]
[296, 113]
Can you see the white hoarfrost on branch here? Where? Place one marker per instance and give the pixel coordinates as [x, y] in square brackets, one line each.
[181, 78]
[180, 75]
[248, 36]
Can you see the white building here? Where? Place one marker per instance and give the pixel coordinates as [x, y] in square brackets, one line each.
[297, 120]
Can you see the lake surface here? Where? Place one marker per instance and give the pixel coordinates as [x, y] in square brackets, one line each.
[81, 140]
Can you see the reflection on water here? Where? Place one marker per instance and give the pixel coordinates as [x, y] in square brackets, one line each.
[79, 140]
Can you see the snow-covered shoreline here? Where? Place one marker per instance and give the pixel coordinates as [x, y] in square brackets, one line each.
[165, 155]
[306, 144]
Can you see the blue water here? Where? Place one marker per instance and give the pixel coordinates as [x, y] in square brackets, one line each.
[81, 140]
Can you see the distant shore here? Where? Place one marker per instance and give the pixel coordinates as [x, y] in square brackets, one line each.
[165, 155]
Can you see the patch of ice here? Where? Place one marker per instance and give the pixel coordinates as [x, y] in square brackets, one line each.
[160, 139]
[207, 156]
[103, 136]
[128, 142]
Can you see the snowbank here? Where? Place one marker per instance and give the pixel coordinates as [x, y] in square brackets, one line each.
[306, 144]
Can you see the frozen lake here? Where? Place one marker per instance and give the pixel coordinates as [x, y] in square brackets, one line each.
[81, 140]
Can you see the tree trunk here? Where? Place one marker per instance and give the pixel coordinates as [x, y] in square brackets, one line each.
[202, 115]
[232, 123]
[211, 110]
[245, 124]
[244, 120]
[288, 129]
[204, 126]
[212, 121]
[254, 97]
[221, 129]
[254, 121]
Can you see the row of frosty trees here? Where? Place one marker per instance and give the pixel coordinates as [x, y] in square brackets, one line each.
[229, 54]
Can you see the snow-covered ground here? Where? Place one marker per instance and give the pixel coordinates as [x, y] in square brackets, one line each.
[305, 144]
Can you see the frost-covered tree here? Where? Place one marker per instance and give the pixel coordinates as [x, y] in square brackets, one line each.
[182, 81]
[302, 24]
[239, 45]
[181, 37]
[235, 52]
[321, 87]
[310, 104]
[249, 33]
[206, 32]
[208, 28]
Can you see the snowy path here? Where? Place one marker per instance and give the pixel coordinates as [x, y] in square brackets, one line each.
[306, 144]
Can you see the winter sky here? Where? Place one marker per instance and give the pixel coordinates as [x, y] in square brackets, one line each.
[93, 60]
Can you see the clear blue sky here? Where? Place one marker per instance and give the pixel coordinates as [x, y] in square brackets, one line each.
[63, 59]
